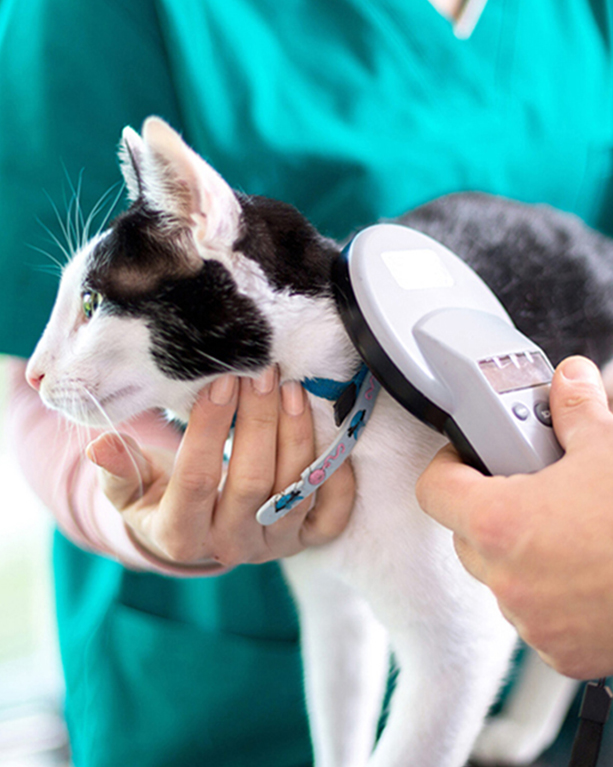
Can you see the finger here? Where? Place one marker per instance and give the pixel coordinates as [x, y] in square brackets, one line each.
[332, 510]
[188, 503]
[126, 472]
[295, 451]
[265, 460]
[251, 473]
[579, 404]
[447, 489]
[308, 524]
[296, 435]
[472, 561]
[238, 537]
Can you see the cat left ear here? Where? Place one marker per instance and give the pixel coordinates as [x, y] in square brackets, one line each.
[178, 181]
[131, 151]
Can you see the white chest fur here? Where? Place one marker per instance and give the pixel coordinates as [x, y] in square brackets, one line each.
[393, 580]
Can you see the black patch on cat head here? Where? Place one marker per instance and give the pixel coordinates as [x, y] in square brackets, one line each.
[199, 322]
[140, 249]
[200, 325]
[291, 252]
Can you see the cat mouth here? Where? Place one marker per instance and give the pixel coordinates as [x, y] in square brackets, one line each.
[79, 404]
[125, 391]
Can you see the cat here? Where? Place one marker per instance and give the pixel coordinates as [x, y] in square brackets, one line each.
[195, 280]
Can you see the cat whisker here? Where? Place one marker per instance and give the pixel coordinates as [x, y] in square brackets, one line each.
[98, 207]
[75, 224]
[113, 429]
[53, 238]
[82, 430]
[51, 270]
[104, 199]
[75, 228]
[225, 366]
[72, 433]
[57, 263]
[65, 227]
[65, 433]
[78, 225]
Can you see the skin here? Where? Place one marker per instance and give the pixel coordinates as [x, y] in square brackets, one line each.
[543, 542]
[177, 505]
[449, 8]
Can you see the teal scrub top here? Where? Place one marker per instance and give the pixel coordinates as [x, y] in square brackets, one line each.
[352, 110]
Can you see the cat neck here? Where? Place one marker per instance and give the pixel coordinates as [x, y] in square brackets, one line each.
[309, 339]
[308, 336]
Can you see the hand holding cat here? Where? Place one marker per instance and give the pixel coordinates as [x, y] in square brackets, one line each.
[179, 509]
[543, 542]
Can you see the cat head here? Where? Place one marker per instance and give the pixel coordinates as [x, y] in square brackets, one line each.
[192, 281]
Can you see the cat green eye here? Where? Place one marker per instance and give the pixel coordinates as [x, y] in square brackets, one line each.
[91, 301]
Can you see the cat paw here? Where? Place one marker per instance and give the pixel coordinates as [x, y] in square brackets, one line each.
[506, 743]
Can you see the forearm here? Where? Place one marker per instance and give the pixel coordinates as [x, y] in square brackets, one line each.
[51, 455]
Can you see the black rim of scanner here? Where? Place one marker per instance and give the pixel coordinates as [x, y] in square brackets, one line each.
[385, 371]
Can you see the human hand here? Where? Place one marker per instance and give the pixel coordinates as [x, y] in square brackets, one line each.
[177, 507]
[543, 542]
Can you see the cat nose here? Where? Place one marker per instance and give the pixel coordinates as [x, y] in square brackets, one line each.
[34, 378]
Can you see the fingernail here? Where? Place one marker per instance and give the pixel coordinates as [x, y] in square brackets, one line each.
[265, 382]
[222, 390]
[91, 454]
[579, 369]
[292, 398]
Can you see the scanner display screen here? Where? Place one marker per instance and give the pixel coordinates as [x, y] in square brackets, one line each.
[512, 372]
[417, 269]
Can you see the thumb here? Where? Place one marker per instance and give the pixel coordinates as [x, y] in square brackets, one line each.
[579, 405]
[125, 472]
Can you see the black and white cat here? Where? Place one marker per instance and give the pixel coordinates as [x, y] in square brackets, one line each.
[195, 280]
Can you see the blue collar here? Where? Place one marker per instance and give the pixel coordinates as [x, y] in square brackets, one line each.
[342, 393]
[326, 388]
[354, 401]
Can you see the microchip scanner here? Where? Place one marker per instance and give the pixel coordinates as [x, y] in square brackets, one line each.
[440, 342]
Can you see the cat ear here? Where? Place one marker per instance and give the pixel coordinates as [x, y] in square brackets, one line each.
[131, 152]
[179, 182]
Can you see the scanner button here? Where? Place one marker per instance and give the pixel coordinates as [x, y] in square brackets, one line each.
[520, 411]
[543, 413]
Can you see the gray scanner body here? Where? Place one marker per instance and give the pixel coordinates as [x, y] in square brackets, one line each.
[440, 342]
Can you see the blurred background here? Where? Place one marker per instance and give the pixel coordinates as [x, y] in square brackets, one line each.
[32, 733]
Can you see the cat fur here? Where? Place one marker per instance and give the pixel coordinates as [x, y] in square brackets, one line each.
[198, 280]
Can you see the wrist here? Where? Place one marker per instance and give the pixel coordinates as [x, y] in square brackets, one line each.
[157, 561]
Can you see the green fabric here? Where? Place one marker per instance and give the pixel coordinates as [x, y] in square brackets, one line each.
[350, 109]
[167, 672]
